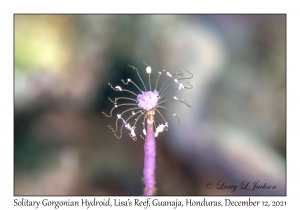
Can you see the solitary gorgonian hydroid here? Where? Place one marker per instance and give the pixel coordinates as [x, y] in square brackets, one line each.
[146, 104]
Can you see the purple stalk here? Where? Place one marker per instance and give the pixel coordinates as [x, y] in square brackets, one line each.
[149, 161]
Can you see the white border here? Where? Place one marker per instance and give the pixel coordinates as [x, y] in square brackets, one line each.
[8, 8]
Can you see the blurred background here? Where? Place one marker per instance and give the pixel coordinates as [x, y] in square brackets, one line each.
[235, 130]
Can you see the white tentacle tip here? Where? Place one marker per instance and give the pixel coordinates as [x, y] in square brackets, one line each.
[148, 70]
[118, 88]
[168, 74]
[180, 86]
[132, 133]
[160, 129]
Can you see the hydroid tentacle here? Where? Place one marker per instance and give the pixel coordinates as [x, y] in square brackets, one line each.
[137, 71]
[178, 121]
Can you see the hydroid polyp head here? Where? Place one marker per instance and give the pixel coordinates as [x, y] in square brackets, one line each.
[148, 100]
[144, 104]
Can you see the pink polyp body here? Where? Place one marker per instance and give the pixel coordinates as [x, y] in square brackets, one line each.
[149, 161]
[148, 100]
